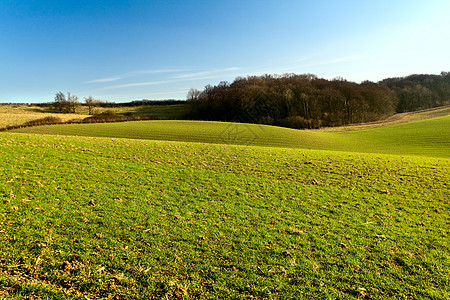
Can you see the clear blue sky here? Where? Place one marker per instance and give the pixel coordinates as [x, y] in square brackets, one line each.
[128, 50]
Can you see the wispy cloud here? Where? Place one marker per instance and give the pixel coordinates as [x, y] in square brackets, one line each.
[201, 75]
[156, 71]
[210, 74]
[305, 64]
[135, 73]
[135, 84]
[102, 80]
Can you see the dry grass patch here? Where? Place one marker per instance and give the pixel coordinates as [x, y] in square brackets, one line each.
[12, 115]
[398, 118]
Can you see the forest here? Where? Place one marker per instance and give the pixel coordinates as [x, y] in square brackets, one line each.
[307, 101]
[420, 91]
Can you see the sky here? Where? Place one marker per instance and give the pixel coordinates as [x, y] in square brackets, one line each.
[122, 51]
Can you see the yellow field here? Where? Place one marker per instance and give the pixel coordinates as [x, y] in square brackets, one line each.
[18, 114]
[398, 118]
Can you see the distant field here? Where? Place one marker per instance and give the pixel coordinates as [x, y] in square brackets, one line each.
[91, 218]
[429, 137]
[11, 115]
[170, 112]
[399, 118]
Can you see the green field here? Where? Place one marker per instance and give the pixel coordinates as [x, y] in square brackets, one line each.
[110, 217]
[429, 137]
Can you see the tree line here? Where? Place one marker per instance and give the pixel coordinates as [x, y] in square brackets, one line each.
[296, 101]
[290, 100]
[69, 103]
[306, 101]
[420, 91]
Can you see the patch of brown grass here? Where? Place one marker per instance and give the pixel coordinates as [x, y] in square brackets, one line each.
[397, 119]
[18, 114]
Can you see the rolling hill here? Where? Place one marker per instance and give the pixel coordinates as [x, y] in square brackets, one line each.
[202, 210]
[429, 137]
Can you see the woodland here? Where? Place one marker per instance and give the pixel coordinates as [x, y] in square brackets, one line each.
[307, 101]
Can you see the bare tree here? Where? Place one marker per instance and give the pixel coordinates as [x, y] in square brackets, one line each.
[90, 102]
[72, 102]
[65, 104]
[193, 95]
[60, 101]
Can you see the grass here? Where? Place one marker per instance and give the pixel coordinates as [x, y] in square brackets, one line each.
[399, 118]
[86, 217]
[161, 217]
[171, 112]
[18, 114]
[429, 137]
[11, 115]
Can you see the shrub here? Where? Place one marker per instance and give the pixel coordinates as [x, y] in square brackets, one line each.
[109, 116]
[43, 121]
[74, 121]
[299, 122]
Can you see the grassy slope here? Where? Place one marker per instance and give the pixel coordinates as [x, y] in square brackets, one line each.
[424, 137]
[17, 114]
[100, 217]
[11, 115]
[175, 111]
[399, 118]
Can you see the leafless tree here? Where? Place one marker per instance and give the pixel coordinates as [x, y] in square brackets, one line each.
[72, 102]
[193, 95]
[65, 104]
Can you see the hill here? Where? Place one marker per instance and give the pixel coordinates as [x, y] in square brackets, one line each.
[429, 137]
[19, 114]
[190, 209]
[307, 101]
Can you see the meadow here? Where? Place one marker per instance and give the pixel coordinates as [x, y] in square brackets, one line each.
[11, 115]
[182, 211]
[18, 114]
[423, 137]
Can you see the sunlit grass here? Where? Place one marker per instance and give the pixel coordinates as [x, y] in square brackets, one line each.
[18, 114]
[12, 115]
[429, 137]
[158, 217]
[101, 217]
